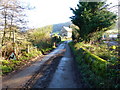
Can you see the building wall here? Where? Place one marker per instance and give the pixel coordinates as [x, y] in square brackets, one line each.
[69, 34]
[65, 32]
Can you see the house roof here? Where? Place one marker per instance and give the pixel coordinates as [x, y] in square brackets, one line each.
[112, 31]
[67, 28]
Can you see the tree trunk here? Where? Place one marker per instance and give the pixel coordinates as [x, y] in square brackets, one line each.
[4, 33]
[11, 27]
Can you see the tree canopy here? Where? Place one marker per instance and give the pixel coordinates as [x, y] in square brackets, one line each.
[91, 17]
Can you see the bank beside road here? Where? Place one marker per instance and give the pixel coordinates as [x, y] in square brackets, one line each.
[19, 79]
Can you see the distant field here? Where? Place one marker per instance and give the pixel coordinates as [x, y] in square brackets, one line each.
[66, 39]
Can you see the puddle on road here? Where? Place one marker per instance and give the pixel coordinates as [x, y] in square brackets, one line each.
[63, 77]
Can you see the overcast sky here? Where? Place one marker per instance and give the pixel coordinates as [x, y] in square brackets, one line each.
[49, 12]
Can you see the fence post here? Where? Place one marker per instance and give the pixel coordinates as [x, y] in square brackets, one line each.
[28, 48]
[14, 49]
[0, 44]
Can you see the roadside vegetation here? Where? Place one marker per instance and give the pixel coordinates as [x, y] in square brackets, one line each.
[11, 65]
[41, 38]
[28, 45]
[97, 62]
[99, 66]
[14, 38]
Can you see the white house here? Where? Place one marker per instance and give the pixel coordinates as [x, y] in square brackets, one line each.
[110, 34]
[66, 32]
[113, 36]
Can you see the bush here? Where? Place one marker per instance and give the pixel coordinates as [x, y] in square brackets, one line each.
[95, 71]
[10, 65]
[5, 62]
[6, 69]
[15, 62]
[97, 64]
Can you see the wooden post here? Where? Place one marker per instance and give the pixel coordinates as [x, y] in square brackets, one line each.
[28, 48]
[0, 44]
[54, 44]
[13, 36]
[0, 49]
[14, 49]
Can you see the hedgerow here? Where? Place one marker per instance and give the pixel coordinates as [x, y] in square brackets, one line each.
[96, 72]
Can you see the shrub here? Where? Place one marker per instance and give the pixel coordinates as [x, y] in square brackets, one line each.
[97, 64]
[96, 71]
[6, 69]
[15, 62]
[5, 62]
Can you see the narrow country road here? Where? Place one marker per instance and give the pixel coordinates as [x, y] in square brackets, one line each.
[52, 71]
[19, 79]
[64, 75]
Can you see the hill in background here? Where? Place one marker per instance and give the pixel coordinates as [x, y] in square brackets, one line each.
[58, 27]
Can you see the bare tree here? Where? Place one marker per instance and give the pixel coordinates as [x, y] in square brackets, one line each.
[12, 16]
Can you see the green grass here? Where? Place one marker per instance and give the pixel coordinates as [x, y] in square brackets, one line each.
[102, 50]
[10, 65]
[65, 39]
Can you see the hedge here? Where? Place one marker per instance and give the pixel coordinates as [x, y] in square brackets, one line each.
[97, 64]
[95, 71]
